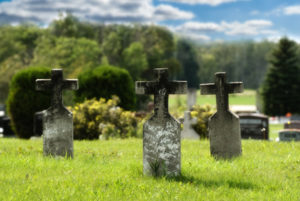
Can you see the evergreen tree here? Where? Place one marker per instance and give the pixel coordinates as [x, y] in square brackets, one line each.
[280, 90]
[187, 58]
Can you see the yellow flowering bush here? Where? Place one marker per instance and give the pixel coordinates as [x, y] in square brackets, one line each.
[202, 114]
[94, 118]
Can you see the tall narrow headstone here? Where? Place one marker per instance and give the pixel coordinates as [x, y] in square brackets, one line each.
[188, 131]
[161, 133]
[191, 98]
[224, 126]
[57, 120]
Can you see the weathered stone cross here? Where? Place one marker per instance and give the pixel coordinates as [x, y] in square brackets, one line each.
[224, 126]
[161, 140]
[57, 120]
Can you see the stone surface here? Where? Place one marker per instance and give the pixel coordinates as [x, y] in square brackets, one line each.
[57, 120]
[38, 123]
[191, 98]
[161, 133]
[188, 131]
[224, 126]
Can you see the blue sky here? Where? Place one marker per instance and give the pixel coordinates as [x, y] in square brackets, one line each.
[203, 20]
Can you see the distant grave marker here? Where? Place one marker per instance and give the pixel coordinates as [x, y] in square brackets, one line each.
[161, 133]
[57, 120]
[224, 126]
[188, 131]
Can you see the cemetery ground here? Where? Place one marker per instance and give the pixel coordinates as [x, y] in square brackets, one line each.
[112, 170]
[245, 98]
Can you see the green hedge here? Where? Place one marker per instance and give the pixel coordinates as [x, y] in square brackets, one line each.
[23, 100]
[105, 81]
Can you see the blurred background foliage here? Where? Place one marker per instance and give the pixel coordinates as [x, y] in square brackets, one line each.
[105, 119]
[82, 48]
[76, 46]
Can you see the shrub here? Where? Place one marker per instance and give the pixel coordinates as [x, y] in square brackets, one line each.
[23, 100]
[93, 118]
[105, 81]
[202, 113]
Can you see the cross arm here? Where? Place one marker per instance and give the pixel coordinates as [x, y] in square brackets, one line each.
[145, 87]
[177, 87]
[235, 87]
[209, 88]
[71, 84]
[43, 84]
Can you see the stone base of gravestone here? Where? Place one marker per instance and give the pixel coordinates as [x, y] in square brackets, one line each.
[161, 147]
[188, 132]
[225, 135]
[58, 132]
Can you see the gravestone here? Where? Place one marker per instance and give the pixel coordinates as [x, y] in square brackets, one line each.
[57, 120]
[191, 98]
[289, 135]
[161, 133]
[188, 131]
[224, 126]
[38, 123]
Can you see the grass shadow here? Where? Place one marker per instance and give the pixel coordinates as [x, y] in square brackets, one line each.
[212, 183]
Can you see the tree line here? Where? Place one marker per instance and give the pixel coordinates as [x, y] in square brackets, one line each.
[77, 46]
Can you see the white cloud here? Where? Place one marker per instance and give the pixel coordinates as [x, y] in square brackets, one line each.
[207, 2]
[167, 12]
[199, 27]
[292, 10]
[44, 11]
[200, 37]
[247, 28]
[250, 27]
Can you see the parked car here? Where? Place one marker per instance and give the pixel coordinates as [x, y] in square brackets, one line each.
[254, 126]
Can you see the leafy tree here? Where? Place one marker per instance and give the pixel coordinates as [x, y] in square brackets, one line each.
[135, 60]
[70, 26]
[104, 82]
[71, 54]
[187, 57]
[23, 100]
[174, 67]
[158, 44]
[280, 90]
[112, 48]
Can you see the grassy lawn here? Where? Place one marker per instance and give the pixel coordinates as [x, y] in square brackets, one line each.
[245, 98]
[274, 128]
[112, 170]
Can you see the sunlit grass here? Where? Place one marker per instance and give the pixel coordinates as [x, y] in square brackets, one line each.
[248, 97]
[112, 170]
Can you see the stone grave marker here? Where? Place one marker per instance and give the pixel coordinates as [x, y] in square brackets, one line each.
[191, 98]
[161, 133]
[224, 126]
[57, 120]
[188, 132]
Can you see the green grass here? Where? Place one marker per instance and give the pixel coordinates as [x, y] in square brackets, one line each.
[245, 98]
[112, 170]
[274, 128]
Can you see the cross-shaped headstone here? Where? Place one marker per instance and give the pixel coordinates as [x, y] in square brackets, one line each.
[161, 133]
[224, 126]
[57, 120]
